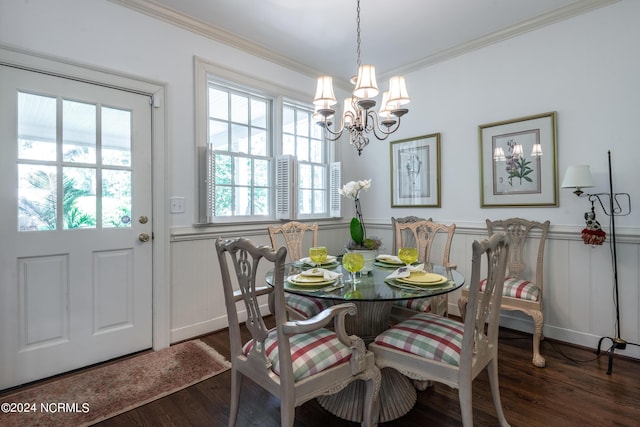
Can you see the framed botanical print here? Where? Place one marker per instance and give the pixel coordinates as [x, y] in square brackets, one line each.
[518, 162]
[415, 172]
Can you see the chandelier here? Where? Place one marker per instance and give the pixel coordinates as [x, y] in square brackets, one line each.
[359, 118]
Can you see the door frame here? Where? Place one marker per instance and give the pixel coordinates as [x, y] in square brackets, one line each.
[34, 61]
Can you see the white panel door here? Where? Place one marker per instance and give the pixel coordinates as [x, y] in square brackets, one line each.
[76, 225]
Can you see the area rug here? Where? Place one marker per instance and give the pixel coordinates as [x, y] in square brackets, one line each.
[96, 394]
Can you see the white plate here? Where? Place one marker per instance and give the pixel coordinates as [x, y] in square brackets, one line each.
[423, 279]
[299, 280]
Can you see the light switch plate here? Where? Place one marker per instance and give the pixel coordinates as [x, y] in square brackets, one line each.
[177, 204]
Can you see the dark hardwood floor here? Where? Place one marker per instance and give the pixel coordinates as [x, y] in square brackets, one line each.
[573, 390]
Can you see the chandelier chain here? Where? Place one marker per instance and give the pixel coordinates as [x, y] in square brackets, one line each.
[359, 119]
[358, 35]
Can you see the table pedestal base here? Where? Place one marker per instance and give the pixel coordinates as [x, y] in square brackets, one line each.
[397, 397]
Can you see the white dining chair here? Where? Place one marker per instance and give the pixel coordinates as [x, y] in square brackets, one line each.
[428, 347]
[297, 360]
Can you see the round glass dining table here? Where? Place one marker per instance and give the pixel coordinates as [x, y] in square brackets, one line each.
[373, 296]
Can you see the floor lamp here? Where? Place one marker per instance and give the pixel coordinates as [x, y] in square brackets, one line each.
[579, 177]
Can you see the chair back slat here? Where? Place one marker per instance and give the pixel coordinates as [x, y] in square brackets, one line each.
[407, 237]
[293, 234]
[523, 238]
[426, 233]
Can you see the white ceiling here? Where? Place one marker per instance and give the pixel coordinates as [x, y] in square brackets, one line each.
[319, 37]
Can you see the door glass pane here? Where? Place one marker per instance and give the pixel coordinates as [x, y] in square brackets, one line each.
[37, 197]
[116, 198]
[36, 127]
[78, 132]
[116, 137]
[79, 198]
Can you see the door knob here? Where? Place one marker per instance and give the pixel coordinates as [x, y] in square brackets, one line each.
[143, 219]
[143, 237]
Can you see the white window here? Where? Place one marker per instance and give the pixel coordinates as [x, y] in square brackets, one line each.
[262, 156]
[239, 146]
[302, 139]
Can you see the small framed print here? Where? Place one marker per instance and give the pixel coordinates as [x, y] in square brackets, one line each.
[518, 162]
[415, 172]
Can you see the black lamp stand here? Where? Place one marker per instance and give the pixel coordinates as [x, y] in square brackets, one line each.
[615, 209]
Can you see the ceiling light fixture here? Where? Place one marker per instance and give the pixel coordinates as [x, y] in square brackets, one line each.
[359, 118]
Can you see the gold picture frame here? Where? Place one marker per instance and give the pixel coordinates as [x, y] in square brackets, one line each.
[415, 172]
[518, 162]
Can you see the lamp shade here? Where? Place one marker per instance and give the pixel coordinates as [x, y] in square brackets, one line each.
[398, 94]
[536, 151]
[366, 86]
[385, 111]
[517, 150]
[324, 93]
[349, 113]
[577, 176]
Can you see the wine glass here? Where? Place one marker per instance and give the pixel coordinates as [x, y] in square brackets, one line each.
[408, 255]
[352, 262]
[318, 254]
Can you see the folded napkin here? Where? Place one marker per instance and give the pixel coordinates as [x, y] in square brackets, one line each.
[321, 272]
[405, 271]
[393, 259]
[330, 259]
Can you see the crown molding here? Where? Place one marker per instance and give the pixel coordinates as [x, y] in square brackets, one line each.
[532, 24]
[171, 16]
[218, 34]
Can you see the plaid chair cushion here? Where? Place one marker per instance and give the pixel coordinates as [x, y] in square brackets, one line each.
[426, 335]
[422, 305]
[311, 353]
[305, 306]
[517, 288]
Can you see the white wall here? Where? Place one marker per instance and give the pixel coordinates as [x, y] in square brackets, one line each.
[585, 68]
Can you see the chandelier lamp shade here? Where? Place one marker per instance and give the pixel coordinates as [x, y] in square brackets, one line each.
[359, 118]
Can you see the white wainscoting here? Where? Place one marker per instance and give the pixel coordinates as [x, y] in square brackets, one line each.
[578, 287]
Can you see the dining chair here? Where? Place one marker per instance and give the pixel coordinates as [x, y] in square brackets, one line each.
[292, 234]
[524, 283]
[429, 237]
[407, 237]
[428, 347]
[297, 360]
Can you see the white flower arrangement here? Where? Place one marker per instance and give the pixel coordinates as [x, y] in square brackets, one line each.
[352, 188]
[357, 229]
